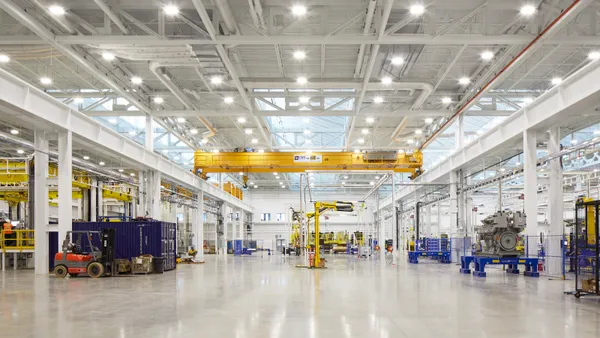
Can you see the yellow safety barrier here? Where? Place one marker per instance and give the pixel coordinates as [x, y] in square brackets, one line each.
[17, 240]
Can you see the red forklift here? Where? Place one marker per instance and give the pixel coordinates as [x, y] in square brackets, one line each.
[87, 252]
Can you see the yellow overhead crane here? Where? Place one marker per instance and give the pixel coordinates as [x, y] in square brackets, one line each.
[256, 162]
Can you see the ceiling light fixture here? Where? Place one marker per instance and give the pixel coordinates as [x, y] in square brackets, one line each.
[241, 120]
[254, 141]
[418, 131]
[397, 60]
[376, 177]
[171, 10]
[371, 183]
[446, 100]
[487, 55]
[248, 131]
[216, 80]
[417, 9]
[303, 99]
[4, 58]
[277, 177]
[180, 119]
[593, 55]
[386, 80]
[121, 170]
[56, 10]
[299, 10]
[194, 132]
[370, 120]
[429, 120]
[275, 174]
[78, 99]
[101, 163]
[301, 80]
[365, 131]
[86, 158]
[464, 81]
[361, 140]
[20, 151]
[528, 10]
[299, 55]
[241, 173]
[410, 141]
[556, 81]
[108, 56]
[527, 100]
[345, 177]
[46, 81]
[14, 132]
[228, 100]
[136, 80]
[378, 99]
[159, 100]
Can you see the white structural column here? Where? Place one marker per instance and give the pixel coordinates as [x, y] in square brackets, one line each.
[142, 205]
[65, 184]
[198, 227]
[153, 194]
[149, 140]
[93, 200]
[395, 224]
[556, 206]
[242, 229]
[530, 182]
[381, 236]
[453, 212]
[429, 232]
[40, 204]
[460, 132]
[100, 199]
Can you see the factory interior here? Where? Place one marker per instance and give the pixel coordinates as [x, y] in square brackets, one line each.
[299, 168]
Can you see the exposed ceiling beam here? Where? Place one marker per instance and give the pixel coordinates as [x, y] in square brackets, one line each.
[403, 39]
[243, 112]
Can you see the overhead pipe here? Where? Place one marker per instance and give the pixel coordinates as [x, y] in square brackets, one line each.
[166, 80]
[259, 12]
[366, 29]
[226, 15]
[113, 17]
[253, 14]
[567, 14]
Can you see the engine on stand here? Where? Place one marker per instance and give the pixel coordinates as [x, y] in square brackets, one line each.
[499, 234]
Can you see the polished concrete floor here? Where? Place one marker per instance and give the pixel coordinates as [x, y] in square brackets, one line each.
[268, 297]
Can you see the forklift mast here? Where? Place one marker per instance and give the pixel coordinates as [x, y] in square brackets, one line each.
[107, 237]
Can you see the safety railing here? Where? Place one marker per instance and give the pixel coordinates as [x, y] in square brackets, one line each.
[17, 240]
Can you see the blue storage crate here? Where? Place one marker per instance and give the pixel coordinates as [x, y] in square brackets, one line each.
[135, 238]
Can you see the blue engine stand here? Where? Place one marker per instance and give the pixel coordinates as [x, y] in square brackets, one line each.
[531, 265]
[441, 256]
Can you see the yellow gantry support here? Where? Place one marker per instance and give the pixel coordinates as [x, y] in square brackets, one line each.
[299, 162]
[320, 208]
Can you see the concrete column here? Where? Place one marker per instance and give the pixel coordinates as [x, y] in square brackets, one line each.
[453, 211]
[555, 206]
[198, 227]
[149, 141]
[153, 194]
[220, 177]
[65, 184]
[439, 217]
[381, 235]
[242, 224]
[460, 132]
[530, 182]
[428, 221]
[100, 199]
[142, 205]
[395, 224]
[40, 213]
[93, 200]
[461, 203]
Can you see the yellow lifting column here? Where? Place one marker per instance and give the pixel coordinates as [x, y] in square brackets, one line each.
[320, 208]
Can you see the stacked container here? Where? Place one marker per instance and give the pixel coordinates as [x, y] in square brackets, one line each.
[136, 238]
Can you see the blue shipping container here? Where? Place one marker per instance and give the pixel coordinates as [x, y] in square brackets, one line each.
[136, 238]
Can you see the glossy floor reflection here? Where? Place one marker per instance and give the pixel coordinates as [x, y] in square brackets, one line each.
[268, 297]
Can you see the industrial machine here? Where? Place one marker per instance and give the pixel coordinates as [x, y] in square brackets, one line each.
[586, 249]
[90, 252]
[499, 234]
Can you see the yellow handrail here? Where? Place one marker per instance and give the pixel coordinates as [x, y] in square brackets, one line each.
[18, 240]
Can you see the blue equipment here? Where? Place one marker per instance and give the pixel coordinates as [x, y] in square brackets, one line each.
[531, 265]
[438, 248]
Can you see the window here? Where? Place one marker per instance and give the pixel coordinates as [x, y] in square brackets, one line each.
[265, 217]
[281, 217]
